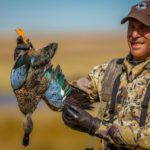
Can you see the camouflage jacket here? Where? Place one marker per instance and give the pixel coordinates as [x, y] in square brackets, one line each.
[125, 131]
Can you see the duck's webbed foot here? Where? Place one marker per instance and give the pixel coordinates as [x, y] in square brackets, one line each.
[28, 125]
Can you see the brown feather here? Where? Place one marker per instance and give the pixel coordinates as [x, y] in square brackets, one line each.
[79, 98]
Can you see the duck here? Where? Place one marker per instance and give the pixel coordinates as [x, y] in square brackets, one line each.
[33, 79]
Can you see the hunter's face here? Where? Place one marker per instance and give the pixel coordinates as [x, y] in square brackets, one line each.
[138, 39]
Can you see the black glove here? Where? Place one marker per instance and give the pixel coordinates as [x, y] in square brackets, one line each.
[21, 46]
[79, 119]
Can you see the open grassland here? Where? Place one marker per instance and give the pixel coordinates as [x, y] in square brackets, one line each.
[77, 54]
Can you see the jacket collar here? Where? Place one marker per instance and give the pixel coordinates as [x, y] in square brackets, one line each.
[135, 68]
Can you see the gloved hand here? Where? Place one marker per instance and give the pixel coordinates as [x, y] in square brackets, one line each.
[22, 46]
[79, 119]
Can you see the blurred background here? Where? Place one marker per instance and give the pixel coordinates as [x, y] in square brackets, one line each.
[88, 33]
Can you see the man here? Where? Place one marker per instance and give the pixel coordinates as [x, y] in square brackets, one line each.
[123, 88]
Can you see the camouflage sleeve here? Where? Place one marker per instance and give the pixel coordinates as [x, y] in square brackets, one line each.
[125, 135]
[91, 84]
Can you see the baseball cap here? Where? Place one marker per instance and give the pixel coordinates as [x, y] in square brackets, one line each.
[140, 12]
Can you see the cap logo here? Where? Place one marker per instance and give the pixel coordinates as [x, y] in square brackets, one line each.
[142, 5]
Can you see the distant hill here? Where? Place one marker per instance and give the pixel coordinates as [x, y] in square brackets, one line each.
[7, 99]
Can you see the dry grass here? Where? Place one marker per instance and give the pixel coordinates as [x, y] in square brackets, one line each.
[49, 132]
[76, 54]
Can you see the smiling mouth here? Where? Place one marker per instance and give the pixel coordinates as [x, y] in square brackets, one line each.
[137, 45]
[137, 42]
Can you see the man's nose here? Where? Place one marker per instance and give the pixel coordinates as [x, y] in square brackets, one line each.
[135, 34]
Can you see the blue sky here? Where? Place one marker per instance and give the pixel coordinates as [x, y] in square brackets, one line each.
[63, 15]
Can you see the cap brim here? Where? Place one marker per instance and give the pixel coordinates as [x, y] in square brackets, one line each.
[145, 20]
